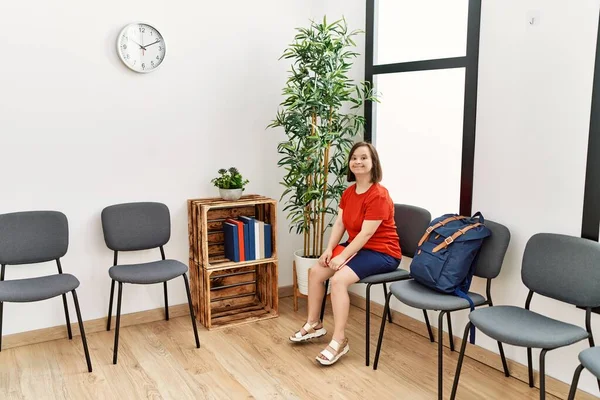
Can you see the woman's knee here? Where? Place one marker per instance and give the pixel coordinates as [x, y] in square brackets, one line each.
[318, 274]
[343, 279]
[338, 282]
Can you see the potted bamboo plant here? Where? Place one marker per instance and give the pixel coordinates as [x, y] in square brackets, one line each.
[319, 120]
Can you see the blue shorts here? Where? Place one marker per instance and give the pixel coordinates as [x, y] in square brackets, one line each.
[369, 262]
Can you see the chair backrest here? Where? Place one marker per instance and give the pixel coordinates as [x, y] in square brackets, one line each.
[493, 249]
[562, 267]
[33, 236]
[136, 226]
[411, 223]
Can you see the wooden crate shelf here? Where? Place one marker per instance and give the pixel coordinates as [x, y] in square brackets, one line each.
[224, 292]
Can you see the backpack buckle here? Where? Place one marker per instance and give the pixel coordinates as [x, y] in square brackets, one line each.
[449, 240]
[429, 229]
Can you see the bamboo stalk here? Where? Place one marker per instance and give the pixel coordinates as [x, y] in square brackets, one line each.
[326, 169]
[313, 183]
[326, 161]
[319, 229]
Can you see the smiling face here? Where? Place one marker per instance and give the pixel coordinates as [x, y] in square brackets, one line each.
[364, 162]
[361, 161]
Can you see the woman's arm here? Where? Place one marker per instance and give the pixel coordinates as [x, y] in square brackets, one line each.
[337, 231]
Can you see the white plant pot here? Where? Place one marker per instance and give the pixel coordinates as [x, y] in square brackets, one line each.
[302, 266]
[230, 194]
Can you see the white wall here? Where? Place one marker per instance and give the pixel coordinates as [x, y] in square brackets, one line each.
[79, 131]
[535, 84]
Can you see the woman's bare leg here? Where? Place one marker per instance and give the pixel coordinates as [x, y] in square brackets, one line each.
[316, 290]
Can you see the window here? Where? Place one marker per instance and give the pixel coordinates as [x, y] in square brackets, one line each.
[421, 57]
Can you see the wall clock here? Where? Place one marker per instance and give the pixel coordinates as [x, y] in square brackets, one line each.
[141, 47]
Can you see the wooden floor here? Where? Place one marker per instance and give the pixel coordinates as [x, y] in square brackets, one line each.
[159, 361]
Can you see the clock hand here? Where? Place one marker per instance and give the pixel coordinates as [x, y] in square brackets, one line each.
[148, 45]
[141, 47]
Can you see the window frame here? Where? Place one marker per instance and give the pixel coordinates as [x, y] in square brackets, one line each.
[470, 62]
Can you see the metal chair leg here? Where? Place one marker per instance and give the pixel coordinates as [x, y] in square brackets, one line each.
[110, 304]
[166, 301]
[450, 332]
[368, 325]
[573, 390]
[116, 346]
[386, 309]
[461, 357]
[591, 341]
[82, 331]
[530, 367]
[440, 354]
[385, 296]
[324, 301]
[187, 289]
[543, 374]
[428, 326]
[69, 333]
[504, 363]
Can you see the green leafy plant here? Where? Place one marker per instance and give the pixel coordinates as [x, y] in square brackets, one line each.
[319, 131]
[229, 179]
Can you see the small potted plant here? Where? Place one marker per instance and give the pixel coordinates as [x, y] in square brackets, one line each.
[230, 183]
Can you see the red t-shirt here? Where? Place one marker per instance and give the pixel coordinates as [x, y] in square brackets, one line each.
[374, 204]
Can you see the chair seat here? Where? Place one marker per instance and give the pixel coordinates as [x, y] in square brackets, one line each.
[525, 328]
[36, 289]
[387, 277]
[147, 273]
[590, 359]
[414, 294]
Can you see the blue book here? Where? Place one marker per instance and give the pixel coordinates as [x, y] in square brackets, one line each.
[250, 238]
[232, 243]
[246, 243]
[268, 239]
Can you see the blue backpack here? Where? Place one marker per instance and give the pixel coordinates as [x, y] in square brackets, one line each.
[446, 255]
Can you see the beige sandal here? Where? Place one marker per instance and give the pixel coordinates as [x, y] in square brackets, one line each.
[326, 357]
[310, 332]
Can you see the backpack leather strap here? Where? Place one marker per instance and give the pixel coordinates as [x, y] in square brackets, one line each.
[441, 223]
[454, 236]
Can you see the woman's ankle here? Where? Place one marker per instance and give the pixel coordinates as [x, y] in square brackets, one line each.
[339, 338]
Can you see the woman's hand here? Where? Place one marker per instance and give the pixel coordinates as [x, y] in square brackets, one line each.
[336, 262]
[325, 258]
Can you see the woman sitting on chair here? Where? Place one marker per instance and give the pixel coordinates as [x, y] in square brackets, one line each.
[366, 212]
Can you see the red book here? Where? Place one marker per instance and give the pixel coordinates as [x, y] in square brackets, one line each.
[337, 251]
[240, 226]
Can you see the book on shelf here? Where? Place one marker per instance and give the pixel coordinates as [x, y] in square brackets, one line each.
[241, 237]
[254, 239]
[231, 241]
[250, 237]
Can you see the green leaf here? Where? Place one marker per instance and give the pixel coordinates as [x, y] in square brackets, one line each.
[312, 114]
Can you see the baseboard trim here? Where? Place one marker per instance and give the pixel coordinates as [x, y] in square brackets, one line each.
[517, 370]
[91, 326]
[286, 291]
[98, 325]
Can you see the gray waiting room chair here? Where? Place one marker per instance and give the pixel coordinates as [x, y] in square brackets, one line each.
[411, 223]
[560, 267]
[141, 226]
[589, 359]
[412, 293]
[34, 237]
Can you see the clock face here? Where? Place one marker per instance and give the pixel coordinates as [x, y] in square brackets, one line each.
[141, 47]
